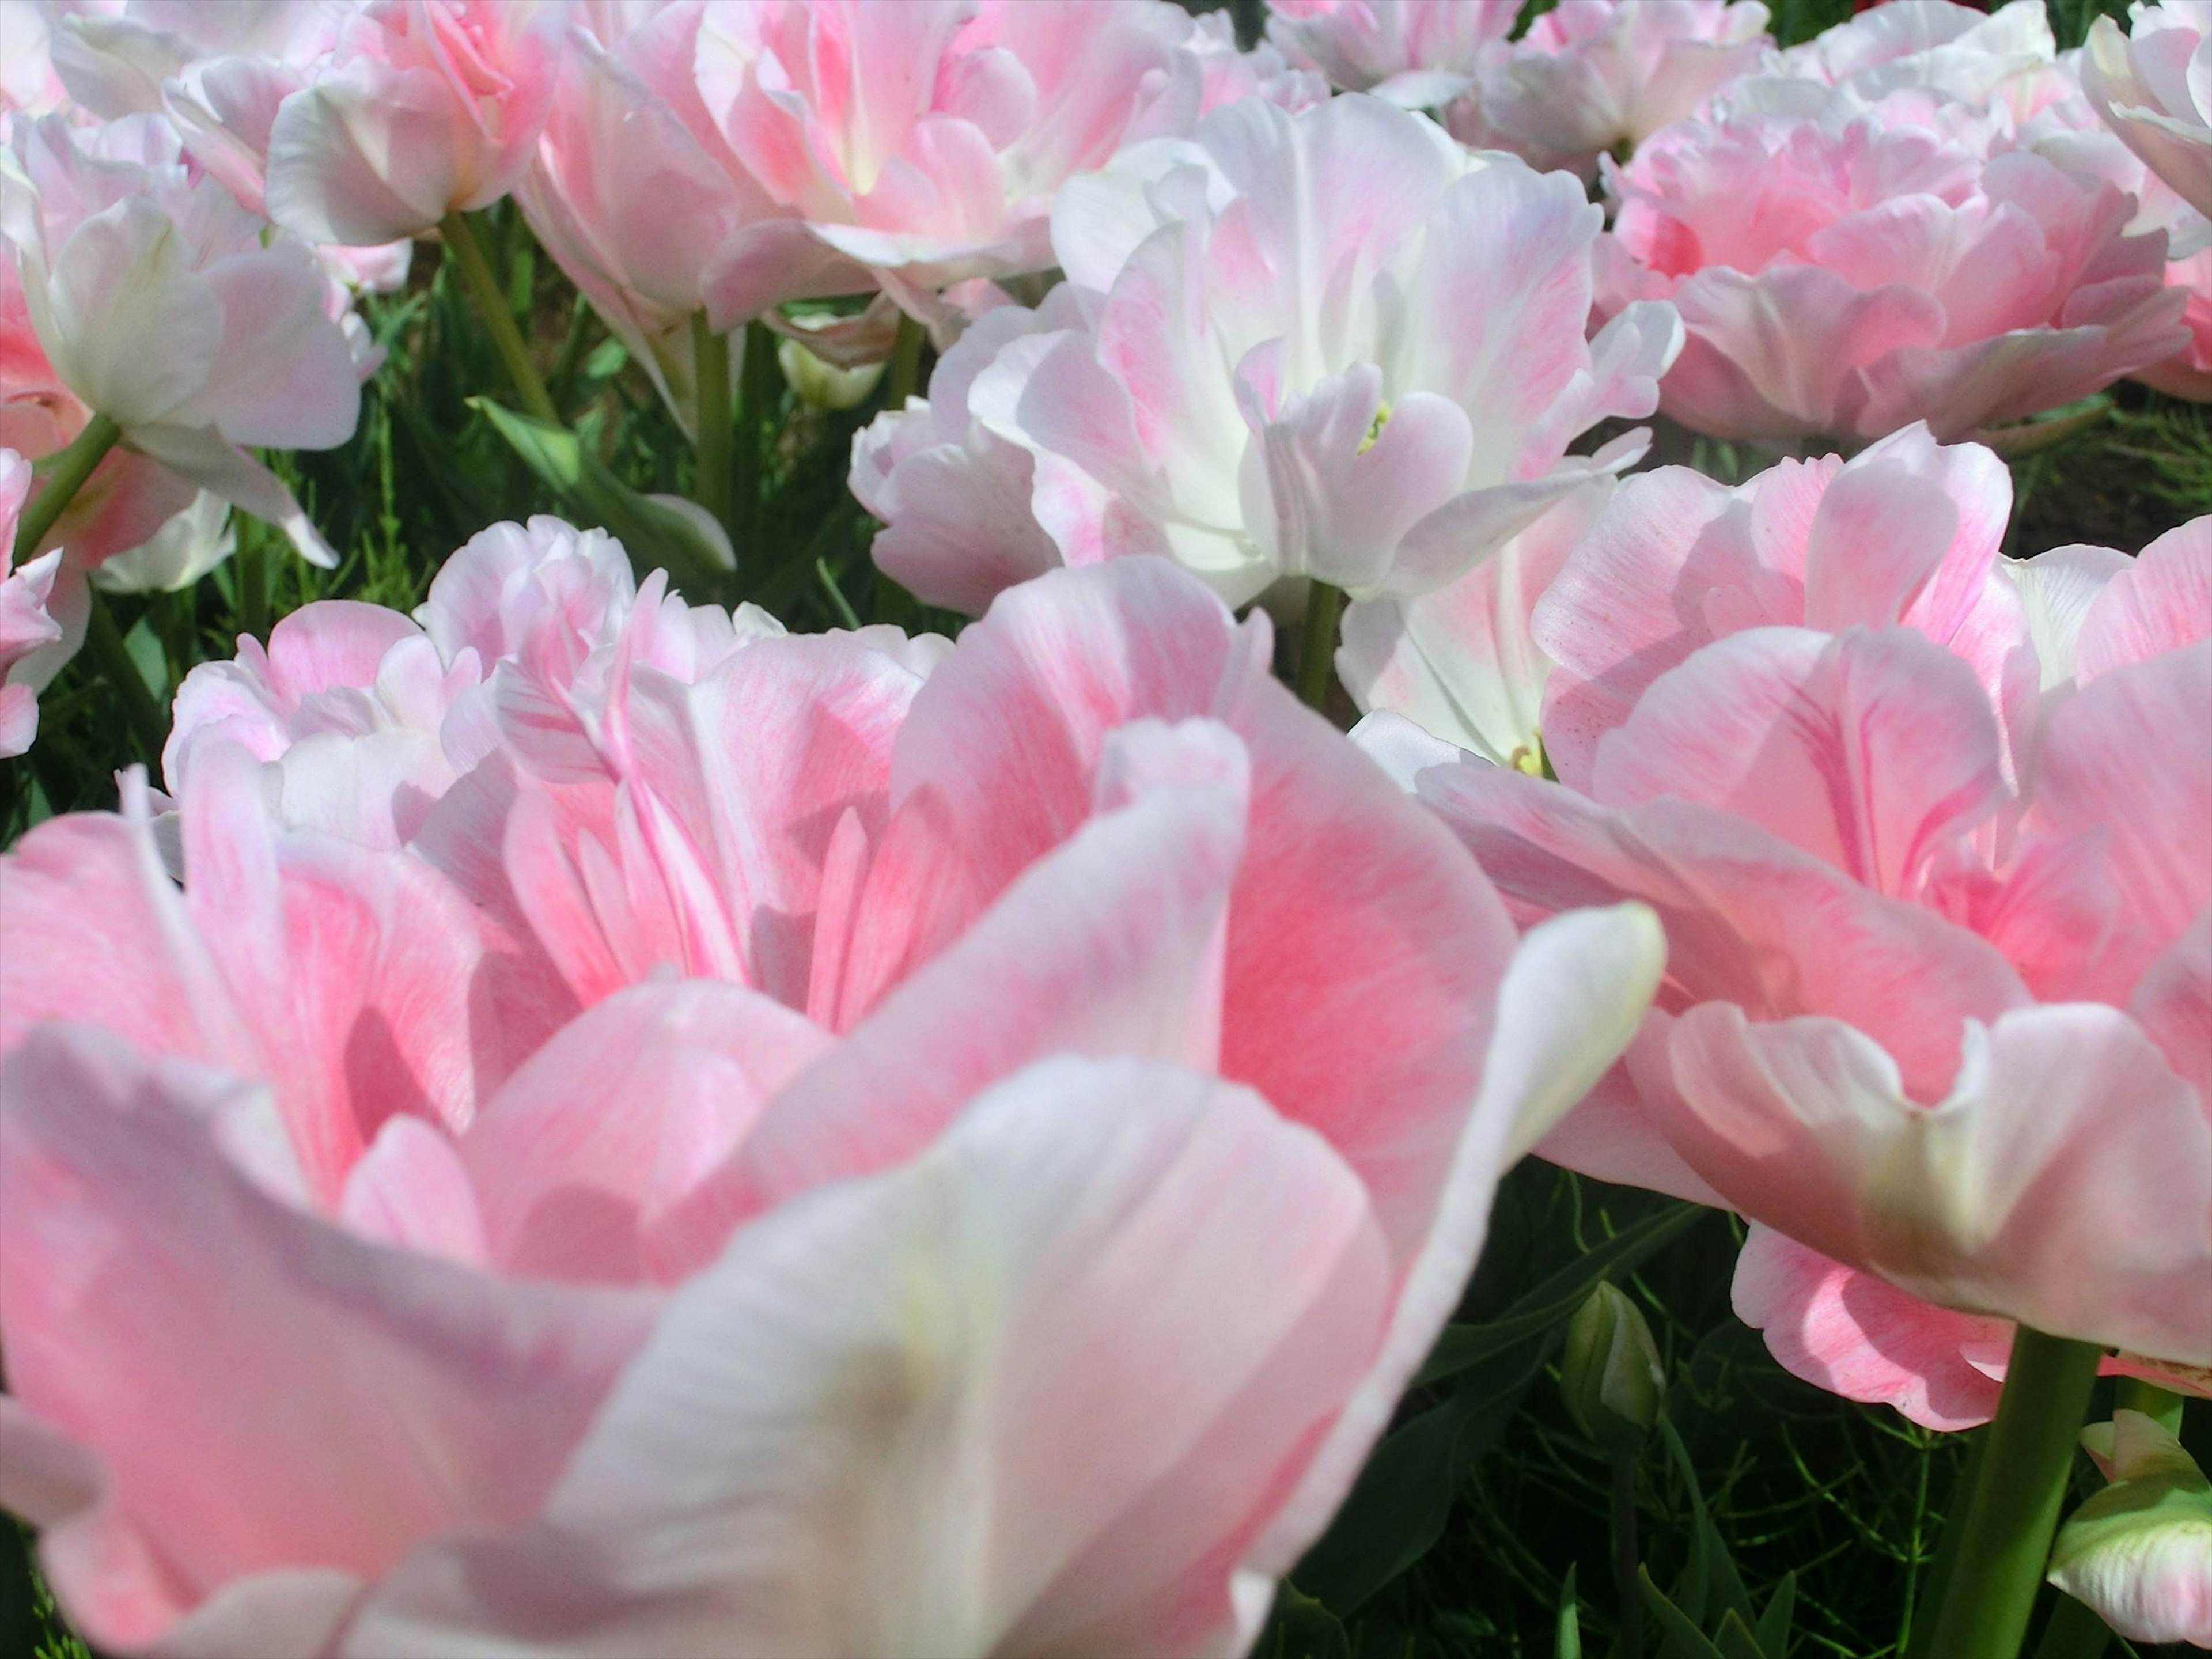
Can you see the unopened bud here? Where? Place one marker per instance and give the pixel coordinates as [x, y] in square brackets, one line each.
[2139, 1553]
[1610, 1373]
[824, 385]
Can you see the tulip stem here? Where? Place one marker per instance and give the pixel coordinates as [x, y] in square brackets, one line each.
[1317, 658]
[710, 361]
[905, 376]
[2132, 1394]
[2073, 1632]
[1627, 1558]
[2014, 1511]
[760, 386]
[103, 643]
[491, 307]
[70, 469]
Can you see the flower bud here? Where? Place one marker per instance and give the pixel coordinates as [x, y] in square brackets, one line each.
[1610, 1373]
[2139, 1553]
[822, 385]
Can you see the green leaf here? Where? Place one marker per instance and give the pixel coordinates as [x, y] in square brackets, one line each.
[1569, 1644]
[1554, 1301]
[1399, 1505]
[654, 535]
[1678, 1631]
[1304, 1629]
[1711, 1571]
[1774, 1625]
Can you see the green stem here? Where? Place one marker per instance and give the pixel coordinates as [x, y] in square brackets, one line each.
[710, 360]
[66, 477]
[103, 643]
[491, 307]
[760, 389]
[905, 376]
[249, 575]
[1914, 1638]
[1625, 1559]
[2132, 1394]
[2074, 1632]
[1317, 658]
[2014, 1507]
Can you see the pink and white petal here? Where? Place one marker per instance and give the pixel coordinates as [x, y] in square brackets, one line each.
[204, 456]
[2157, 819]
[1861, 1337]
[2173, 1003]
[364, 157]
[1872, 752]
[2160, 601]
[564, 1183]
[2066, 1180]
[1111, 946]
[2058, 589]
[435, 1398]
[1142, 1298]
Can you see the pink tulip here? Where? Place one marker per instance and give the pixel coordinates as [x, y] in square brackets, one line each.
[25, 623]
[1591, 77]
[1418, 54]
[916, 144]
[155, 301]
[1330, 346]
[362, 718]
[1056, 1166]
[1938, 938]
[1226, 74]
[2155, 86]
[422, 108]
[1980, 56]
[1929, 267]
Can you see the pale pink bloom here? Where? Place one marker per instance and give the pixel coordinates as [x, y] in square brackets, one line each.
[1461, 663]
[362, 718]
[156, 301]
[2139, 1553]
[1940, 944]
[2154, 86]
[1851, 270]
[29, 85]
[1332, 345]
[1593, 75]
[25, 623]
[920, 144]
[1418, 54]
[1998, 58]
[1226, 74]
[633, 192]
[1039, 1289]
[421, 108]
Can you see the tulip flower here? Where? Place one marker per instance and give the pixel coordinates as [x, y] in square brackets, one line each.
[1995, 56]
[1418, 54]
[422, 108]
[2139, 1553]
[1875, 230]
[1935, 938]
[161, 307]
[915, 145]
[2154, 86]
[1330, 346]
[1014, 1125]
[26, 625]
[1594, 77]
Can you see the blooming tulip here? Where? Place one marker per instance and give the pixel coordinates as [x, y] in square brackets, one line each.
[1419, 54]
[1935, 934]
[2155, 86]
[1034, 1076]
[917, 144]
[421, 108]
[159, 307]
[1331, 344]
[1856, 268]
[25, 623]
[1596, 75]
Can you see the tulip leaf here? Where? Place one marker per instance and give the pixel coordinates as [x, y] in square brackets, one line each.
[1735, 1640]
[1678, 1631]
[654, 535]
[1774, 1625]
[1554, 1300]
[1570, 1643]
[1710, 1582]
[1398, 1506]
[1301, 1628]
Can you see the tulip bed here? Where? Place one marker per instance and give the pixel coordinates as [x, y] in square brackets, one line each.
[910, 1027]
